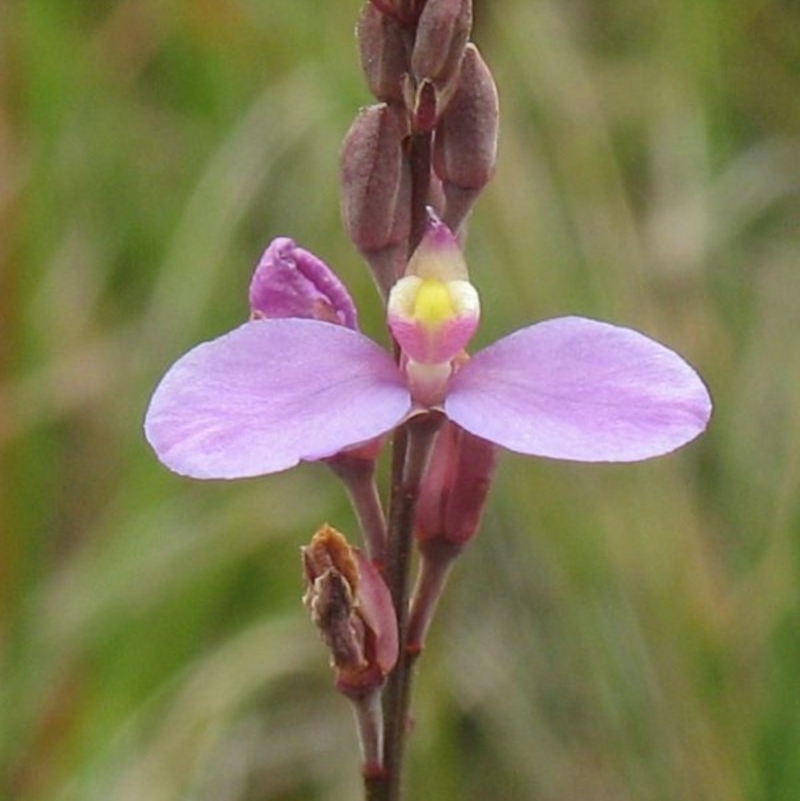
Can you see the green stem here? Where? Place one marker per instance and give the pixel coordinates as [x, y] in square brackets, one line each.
[358, 477]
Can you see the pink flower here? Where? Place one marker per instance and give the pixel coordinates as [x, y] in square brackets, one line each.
[290, 386]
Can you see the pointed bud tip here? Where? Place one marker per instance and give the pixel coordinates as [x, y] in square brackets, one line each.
[438, 254]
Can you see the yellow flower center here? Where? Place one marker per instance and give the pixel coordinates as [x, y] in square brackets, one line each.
[433, 303]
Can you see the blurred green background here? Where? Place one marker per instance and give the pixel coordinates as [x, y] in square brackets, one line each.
[616, 632]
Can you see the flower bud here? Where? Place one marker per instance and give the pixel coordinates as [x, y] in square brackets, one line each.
[442, 33]
[454, 491]
[376, 190]
[351, 606]
[448, 514]
[384, 46]
[291, 282]
[395, 8]
[425, 105]
[465, 143]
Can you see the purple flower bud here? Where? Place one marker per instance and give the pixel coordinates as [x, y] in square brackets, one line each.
[384, 46]
[398, 9]
[455, 488]
[442, 33]
[465, 144]
[376, 189]
[425, 106]
[351, 606]
[291, 282]
[448, 515]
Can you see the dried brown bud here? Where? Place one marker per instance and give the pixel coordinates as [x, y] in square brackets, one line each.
[376, 189]
[351, 606]
[465, 143]
[384, 46]
[442, 33]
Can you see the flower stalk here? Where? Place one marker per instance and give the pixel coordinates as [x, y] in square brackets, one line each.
[413, 448]
[357, 472]
[299, 382]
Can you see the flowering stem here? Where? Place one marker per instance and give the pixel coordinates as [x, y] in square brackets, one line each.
[411, 448]
[413, 442]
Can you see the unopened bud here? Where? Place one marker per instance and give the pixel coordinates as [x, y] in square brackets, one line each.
[442, 33]
[425, 103]
[465, 143]
[455, 488]
[448, 514]
[395, 8]
[351, 606]
[384, 47]
[376, 190]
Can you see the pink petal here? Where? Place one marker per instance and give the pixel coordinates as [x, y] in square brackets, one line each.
[270, 393]
[573, 388]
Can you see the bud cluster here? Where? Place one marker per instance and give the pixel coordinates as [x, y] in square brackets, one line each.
[429, 81]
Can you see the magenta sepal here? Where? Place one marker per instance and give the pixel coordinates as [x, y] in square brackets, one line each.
[271, 393]
[291, 282]
[573, 388]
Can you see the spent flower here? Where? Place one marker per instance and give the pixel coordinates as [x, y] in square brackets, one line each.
[351, 606]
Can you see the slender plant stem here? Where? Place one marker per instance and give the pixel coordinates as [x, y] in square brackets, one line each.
[368, 712]
[418, 439]
[358, 477]
[411, 447]
[375, 786]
